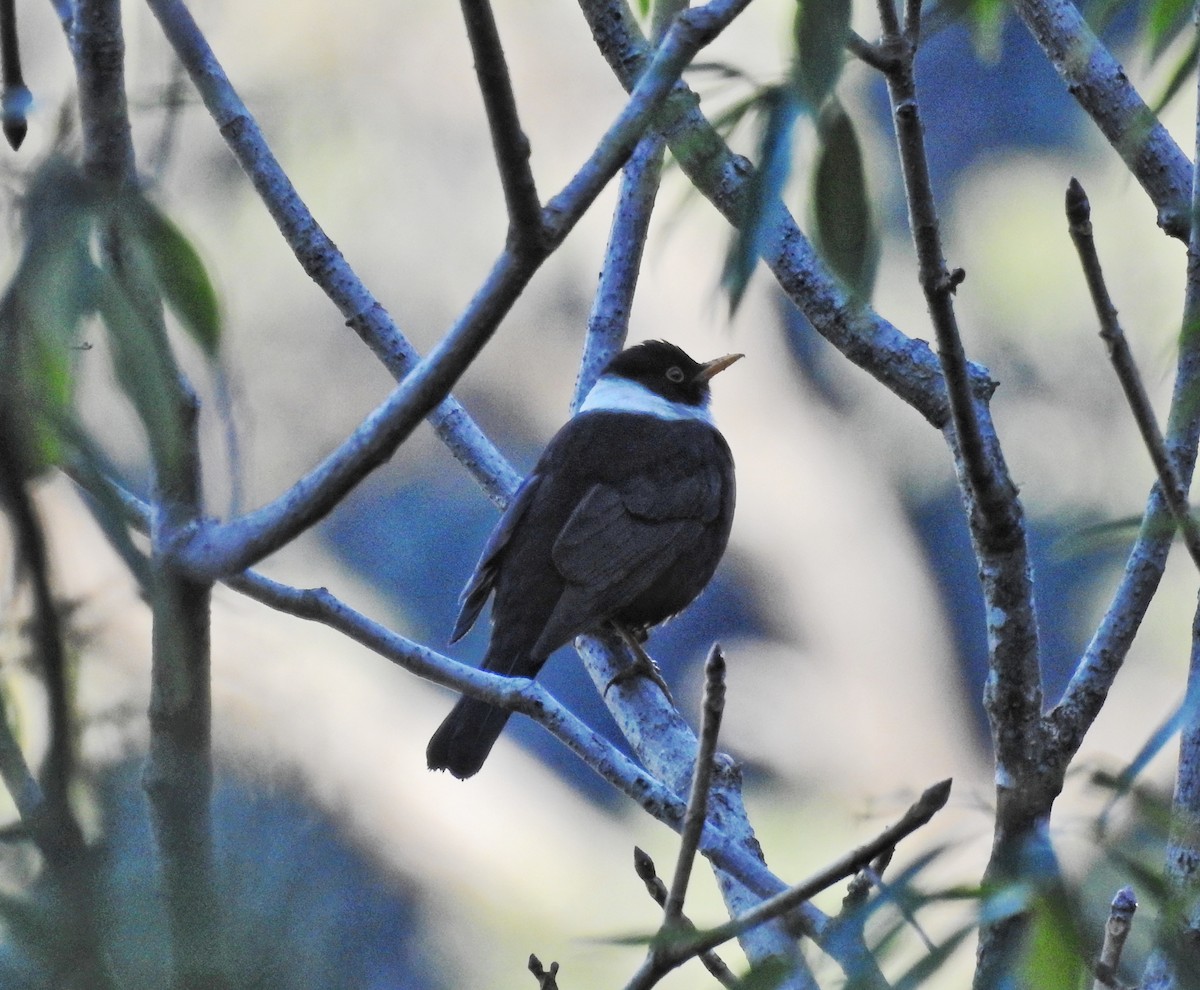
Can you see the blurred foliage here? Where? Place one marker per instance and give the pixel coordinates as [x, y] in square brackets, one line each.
[90, 252]
[302, 909]
[94, 258]
[843, 228]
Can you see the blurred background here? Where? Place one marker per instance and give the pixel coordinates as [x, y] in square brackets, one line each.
[847, 604]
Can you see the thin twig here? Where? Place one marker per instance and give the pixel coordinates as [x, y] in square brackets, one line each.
[644, 867]
[679, 951]
[1116, 931]
[859, 888]
[998, 522]
[1096, 671]
[1079, 215]
[608, 322]
[697, 806]
[666, 745]
[547, 978]
[869, 54]
[1013, 693]
[508, 139]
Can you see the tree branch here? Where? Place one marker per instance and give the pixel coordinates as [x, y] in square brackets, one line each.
[508, 139]
[98, 45]
[1103, 90]
[666, 745]
[1116, 932]
[1088, 688]
[608, 323]
[178, 770]
[1079, 212]
[697, 806]
[15, 99]
[730, 845]
[644, 867]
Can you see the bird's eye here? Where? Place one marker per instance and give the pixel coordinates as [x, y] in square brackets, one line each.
[675, 374]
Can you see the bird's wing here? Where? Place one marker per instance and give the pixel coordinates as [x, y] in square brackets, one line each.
[608, 556]
[663, 494]
[484, 579]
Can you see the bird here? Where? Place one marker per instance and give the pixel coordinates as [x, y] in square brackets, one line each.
[622, 521]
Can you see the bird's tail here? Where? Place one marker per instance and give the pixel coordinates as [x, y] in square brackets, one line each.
[463, 741]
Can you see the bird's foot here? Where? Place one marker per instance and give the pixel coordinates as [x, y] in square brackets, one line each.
[641, 666]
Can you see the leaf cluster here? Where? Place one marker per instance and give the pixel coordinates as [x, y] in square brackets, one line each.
[841, 223]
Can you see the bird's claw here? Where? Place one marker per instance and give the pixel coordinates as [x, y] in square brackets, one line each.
[642, 665]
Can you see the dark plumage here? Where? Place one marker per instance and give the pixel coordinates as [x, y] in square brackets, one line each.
[625, 518]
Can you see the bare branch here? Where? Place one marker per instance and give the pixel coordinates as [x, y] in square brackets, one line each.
[608, 322]
[1079, 212]
[16, 99]
[644, 867]
[1102, 88]
[508, 139]
[1094, 674]
[1013, 692]
[869, 54]
[697, 806]
[678, 951]
[547, 978]
[731, 852]
[98, 45]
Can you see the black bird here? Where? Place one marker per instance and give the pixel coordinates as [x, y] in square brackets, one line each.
[623, 520]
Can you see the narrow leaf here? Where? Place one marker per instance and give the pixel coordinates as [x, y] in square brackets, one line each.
[763, 191]
[1163, 21]
[921, 972]
[821, 29]
[144, 366]
[42, 306]
[181, 276]
[843, 229]
[1181, 74]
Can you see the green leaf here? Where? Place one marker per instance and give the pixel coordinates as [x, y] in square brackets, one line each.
[41, 308]
[142, 360]
[1054, 950]
[821, 28]
[762, 192]
[843, 228]
[1163, 21]
[1181, 74]
[181, 275]
[772, 972]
